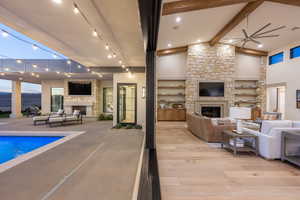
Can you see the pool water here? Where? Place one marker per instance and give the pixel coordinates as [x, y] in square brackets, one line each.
[14, 146]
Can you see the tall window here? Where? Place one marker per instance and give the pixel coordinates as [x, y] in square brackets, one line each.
[57, 99]
[277, 58]
[295, 52]
[107, 100]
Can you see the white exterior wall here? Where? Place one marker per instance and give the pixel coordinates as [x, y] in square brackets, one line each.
[46, 93]
[287, 72]
[104, 84]
[140, 80]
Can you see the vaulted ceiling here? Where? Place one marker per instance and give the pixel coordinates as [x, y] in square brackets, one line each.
[56, 26]
[206, 20]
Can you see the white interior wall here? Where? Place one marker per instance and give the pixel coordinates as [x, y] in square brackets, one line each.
[140, 80]
[171, 66]
[287, 73]
[247, 66]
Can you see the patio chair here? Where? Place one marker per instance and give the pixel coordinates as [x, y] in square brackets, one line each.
[45, 118]
[75, 117]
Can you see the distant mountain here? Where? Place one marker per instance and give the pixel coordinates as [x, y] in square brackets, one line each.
[28, 99]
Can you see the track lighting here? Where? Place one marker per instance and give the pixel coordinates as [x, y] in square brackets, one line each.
[4, 34]
[107, 47]
[34, 47]
[76, 10]
[95, 34]
[109, 56]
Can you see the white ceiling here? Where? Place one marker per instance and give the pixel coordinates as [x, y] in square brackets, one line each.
[204, 24]
[56, 26]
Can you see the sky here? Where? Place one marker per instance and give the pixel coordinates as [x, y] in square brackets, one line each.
[13, 48]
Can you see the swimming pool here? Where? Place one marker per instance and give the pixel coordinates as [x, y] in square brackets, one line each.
[20, 146]
[14, 146]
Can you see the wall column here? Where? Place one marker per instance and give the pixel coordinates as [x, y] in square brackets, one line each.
[16, 100]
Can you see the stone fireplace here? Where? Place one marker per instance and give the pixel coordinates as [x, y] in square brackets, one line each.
[82, 109]
[214, 109]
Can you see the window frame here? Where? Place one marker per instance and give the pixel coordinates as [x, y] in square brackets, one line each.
[296, 47]
[282, 52]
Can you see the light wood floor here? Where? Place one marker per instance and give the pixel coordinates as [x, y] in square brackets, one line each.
[190, 169]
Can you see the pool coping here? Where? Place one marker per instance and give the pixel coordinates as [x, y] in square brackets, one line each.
[68, 135]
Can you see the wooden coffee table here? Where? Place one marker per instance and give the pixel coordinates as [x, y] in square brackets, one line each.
[230, 135]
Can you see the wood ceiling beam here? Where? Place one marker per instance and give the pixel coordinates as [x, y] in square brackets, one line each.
[182, 49]
[253, 52]
[164, 52]
[288, 2]
[248, 9]
[191, 5]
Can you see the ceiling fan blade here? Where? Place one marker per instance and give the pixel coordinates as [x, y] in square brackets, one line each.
[244, 43]
[255, 41]
[245, 33]
[266, 36]
[259, 30]
[275, 29]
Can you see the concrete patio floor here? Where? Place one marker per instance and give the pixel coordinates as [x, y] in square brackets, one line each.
[101, 164]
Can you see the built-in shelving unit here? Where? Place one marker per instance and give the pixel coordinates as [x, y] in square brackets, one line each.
[171, 100]
[246, 93]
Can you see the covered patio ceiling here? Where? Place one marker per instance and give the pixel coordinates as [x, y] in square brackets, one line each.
[58, 27]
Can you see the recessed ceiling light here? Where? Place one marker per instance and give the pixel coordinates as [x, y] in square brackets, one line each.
[260, 45]
[20, 78]
[19, 61]
[178, 19]
[69, 62]
[57, 1]
[79, 66]
[109, 56]
[199, 40]
[230, 41]
[169, 45]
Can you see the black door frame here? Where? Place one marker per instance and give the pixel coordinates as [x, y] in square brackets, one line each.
[150, 11]
[118, 101]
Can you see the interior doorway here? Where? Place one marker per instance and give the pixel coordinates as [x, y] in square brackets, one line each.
[126, 103]
[276, 99]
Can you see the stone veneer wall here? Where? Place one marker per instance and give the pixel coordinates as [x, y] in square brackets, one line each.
[206, 63]
[92, 102]
[217, 63]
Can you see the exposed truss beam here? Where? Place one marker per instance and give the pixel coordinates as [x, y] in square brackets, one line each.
[251, 51]
[164, 52]
[288, 2]
[191, 5]
[248, 9]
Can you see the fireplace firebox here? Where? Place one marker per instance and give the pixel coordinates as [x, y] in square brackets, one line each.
[81, 108]
[211, 111]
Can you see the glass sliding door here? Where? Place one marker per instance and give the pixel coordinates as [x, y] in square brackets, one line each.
[57, 99]
[127, 97]
[107, 100]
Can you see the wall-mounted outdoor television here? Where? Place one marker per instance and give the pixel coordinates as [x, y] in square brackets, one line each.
[80, 88]
[211, 89]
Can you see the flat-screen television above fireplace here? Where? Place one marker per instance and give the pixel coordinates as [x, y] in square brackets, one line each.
[211, 89]
[80, 88]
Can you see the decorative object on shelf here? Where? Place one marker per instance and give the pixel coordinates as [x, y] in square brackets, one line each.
[177, 106]
[298, 99]
[144, 92]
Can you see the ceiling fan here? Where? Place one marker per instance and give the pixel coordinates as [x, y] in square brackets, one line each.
[254, 37]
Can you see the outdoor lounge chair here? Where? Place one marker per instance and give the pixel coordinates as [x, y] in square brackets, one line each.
[45, 118]
[75, 117]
